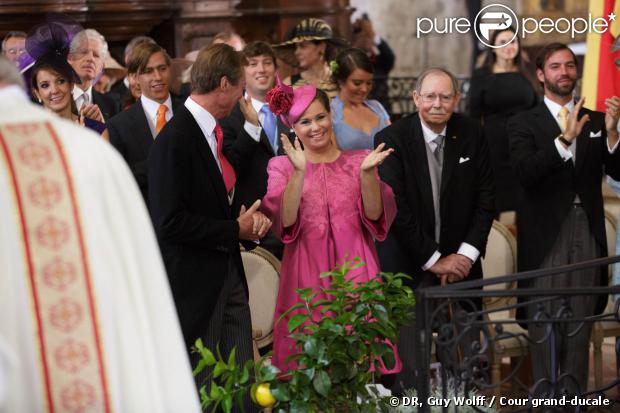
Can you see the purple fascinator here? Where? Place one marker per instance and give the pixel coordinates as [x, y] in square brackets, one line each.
[290, 103]
[49, 43]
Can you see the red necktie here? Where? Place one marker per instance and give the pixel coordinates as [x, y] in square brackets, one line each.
[228, 173]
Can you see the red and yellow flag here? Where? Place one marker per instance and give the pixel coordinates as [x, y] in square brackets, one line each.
[601, 77]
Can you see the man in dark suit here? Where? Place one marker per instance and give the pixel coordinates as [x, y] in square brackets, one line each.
[132, 132]
[559, 151]
[86, 56]
[442, 180]
[191, 187]
[260, 75]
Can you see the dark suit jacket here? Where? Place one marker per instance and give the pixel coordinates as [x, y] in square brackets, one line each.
[108, 105]
[197, 230]
[466, 196]
[550, 184]
[252, 176]
[119, 88]
[131, 136]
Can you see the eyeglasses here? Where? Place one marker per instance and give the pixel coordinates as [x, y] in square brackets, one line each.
[431, 97]
[15, 51]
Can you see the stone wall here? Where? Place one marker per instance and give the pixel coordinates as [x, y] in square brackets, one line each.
[395, 21]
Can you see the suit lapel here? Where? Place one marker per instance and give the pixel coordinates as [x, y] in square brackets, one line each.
[583, 141]
[282, 129]
[451, 152]
[550, 128]
[209, 161]
[423, 175]
[140, 125]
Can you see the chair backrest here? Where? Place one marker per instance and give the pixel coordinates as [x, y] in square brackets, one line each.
[500, 258]
[262, 271]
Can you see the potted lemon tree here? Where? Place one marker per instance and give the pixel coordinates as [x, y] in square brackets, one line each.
[339, 353]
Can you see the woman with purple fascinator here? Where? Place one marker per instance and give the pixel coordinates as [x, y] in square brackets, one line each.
[327, 206]
[51, 77]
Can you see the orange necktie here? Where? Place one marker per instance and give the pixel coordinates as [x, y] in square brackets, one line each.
[161, 118]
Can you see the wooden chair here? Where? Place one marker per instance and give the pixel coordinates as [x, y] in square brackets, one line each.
[262, 271]
[501, 259]
[608, 328]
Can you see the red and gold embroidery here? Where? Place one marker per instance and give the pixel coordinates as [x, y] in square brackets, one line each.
[70, 348]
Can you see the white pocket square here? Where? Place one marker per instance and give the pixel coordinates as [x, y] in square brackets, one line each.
[595, 135]
[463, 160]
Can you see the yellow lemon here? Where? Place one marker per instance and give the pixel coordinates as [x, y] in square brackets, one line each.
[264, 396]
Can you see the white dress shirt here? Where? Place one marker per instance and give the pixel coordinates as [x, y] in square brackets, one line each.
[78, 96]
[150, 110]
[207, 123]
[465, 249]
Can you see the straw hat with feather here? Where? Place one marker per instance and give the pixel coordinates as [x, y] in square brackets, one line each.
[312, 29]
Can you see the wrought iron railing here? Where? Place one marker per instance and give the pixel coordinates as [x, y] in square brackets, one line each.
[441, 332]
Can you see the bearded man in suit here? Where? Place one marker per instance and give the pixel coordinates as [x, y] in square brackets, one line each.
[560, 151]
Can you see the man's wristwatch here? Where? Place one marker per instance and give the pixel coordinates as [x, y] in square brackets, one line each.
[565, 141]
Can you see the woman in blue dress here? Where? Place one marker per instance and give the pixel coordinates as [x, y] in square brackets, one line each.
[356, 119]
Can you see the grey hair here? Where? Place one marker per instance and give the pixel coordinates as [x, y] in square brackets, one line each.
[89, 34]
[136, 41]
[9, 74]
[10, 35]
[436, 70]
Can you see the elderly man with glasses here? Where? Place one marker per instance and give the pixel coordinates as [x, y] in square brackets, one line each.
[442, 180]
[14, 45]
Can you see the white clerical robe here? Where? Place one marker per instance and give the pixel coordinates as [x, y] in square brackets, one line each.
[101, 258]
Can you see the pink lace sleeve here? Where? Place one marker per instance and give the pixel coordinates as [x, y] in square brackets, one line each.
[380, 227]
[279, 170]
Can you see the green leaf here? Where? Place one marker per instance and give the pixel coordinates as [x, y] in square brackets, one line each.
[322, 383]
[336, 328]
[291, 309]
[339, 373]
[299, 406]
[352, 371]
[220, 368]
[253, 392]
[245, 375]
[231, 358]
[281, 393]
[380, 313]
[200, 367]
[308, 372]
[268, 373]
[296, 321]
[216, 391]
[310, 347]
[304, 293]
[227, 403]
[207, 356]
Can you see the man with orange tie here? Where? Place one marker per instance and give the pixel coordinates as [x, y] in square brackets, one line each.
[560, 151]
[132, 132]
[191, 190]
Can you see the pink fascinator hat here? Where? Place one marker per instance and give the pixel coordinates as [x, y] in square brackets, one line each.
[290, 103]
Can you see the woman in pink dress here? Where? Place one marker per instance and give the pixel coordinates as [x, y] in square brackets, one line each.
[327, 206]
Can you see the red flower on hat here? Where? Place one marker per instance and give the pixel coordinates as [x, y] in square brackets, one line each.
[280, 99]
